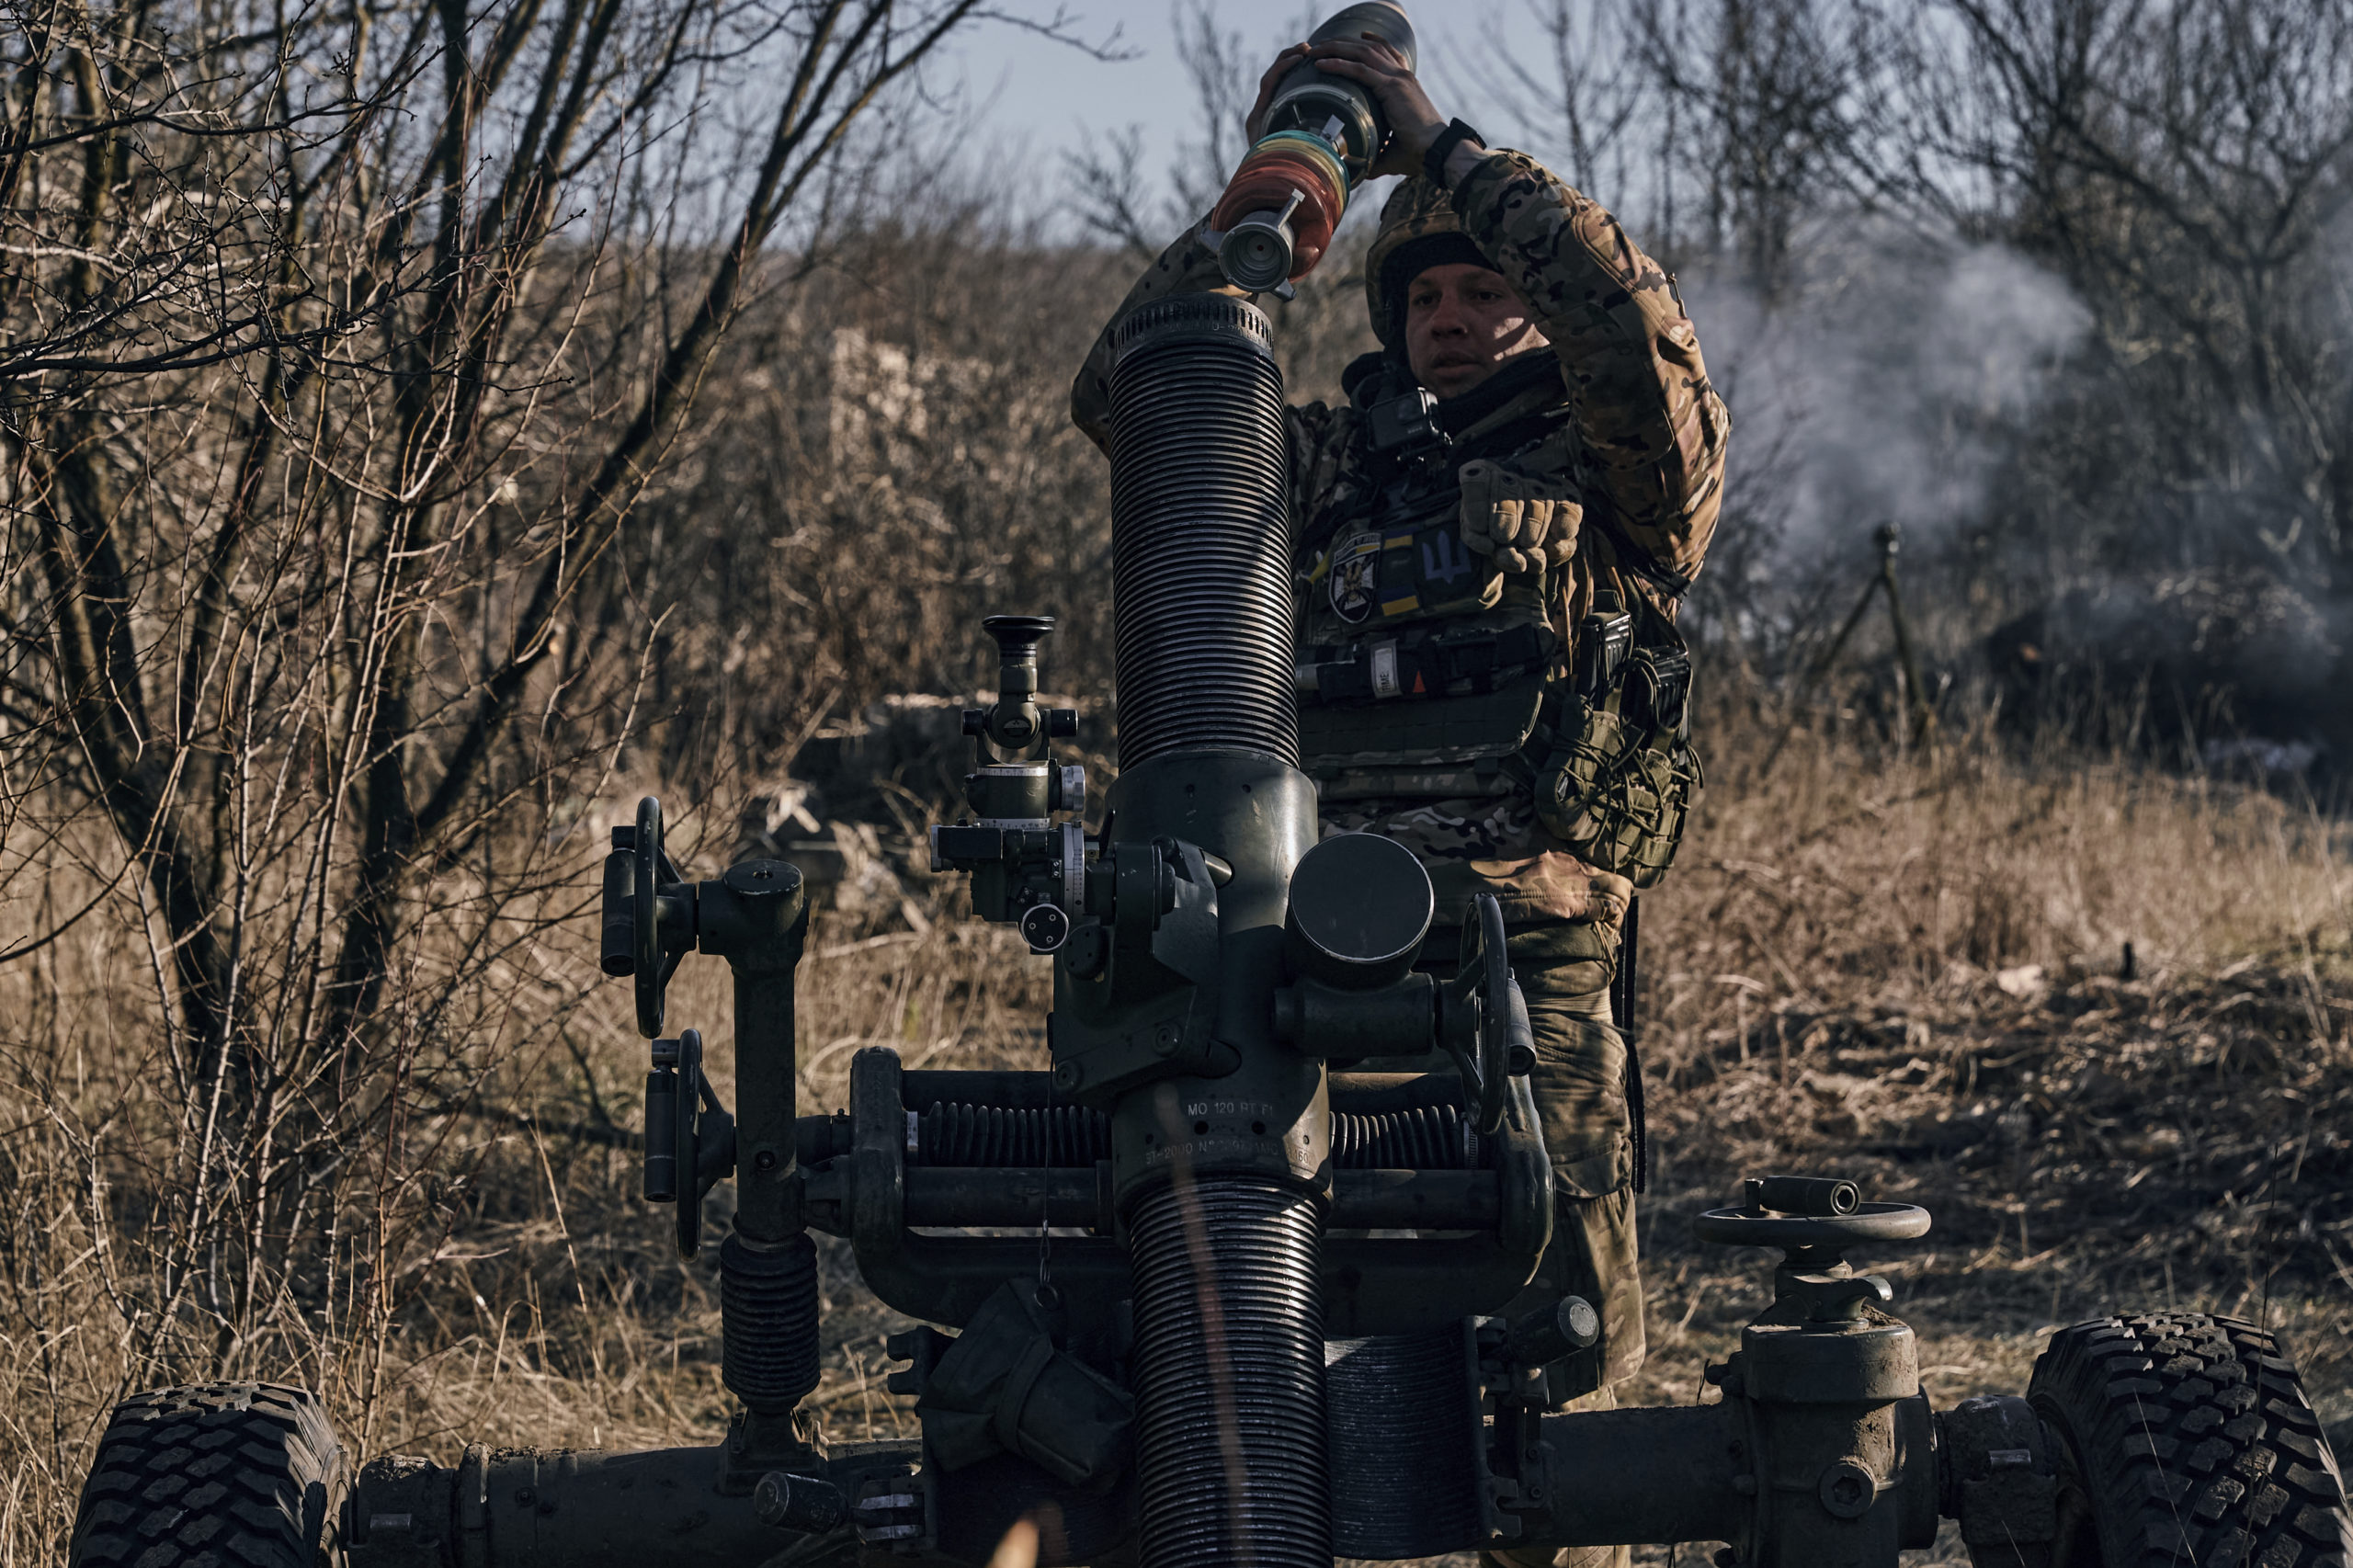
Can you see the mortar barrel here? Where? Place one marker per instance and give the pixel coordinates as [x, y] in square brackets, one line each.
[1217, 1176]
[1229, 1375]
[1200, 573]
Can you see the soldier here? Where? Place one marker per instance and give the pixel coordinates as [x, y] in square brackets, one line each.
[1490, 540]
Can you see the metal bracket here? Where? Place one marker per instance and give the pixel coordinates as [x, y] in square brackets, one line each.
[1998, 1473]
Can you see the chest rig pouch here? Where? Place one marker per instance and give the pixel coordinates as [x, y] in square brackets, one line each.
[1421, 672]
[1617, 783]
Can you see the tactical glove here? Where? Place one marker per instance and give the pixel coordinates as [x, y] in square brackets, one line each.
[1504, 517]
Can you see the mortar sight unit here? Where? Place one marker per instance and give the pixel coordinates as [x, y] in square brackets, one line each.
[1281, 1316]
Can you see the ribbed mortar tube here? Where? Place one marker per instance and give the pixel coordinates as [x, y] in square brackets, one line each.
[1200, 570]
[1402, 1418]
[767, 1322]
[1229, 1375]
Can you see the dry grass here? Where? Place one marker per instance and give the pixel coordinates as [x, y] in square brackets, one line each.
[1902, 971]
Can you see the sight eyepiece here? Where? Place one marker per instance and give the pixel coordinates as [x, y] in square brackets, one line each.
[1018, 637]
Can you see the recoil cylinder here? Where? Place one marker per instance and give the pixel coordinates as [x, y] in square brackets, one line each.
[1429, 1138]
[1004, 1135]
[1399, 1409]
[768, 1308]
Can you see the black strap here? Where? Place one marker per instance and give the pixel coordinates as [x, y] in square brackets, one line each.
[1634, 1116]
[1434, 161]
[1633, 557]
[1431, 665]
[1622, 1012]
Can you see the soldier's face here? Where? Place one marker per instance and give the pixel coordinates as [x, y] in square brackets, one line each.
[1461, 321]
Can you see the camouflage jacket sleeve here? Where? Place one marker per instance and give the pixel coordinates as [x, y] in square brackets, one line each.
[1188, 266]
[1316, 433]
[1653, 429]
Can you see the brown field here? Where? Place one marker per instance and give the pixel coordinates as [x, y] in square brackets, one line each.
[1901, 969]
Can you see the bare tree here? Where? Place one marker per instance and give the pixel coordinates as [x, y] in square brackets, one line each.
[2187, 166]
[1587, 96]
[1766, 92]
[342, 345]
[1110, 183]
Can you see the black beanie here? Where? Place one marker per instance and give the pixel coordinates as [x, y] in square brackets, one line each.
[1415, 257]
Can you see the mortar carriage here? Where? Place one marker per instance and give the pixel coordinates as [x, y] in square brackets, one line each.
[1205, 1291]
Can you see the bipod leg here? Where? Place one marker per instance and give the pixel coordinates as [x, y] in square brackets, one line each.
[1815, 671]
[1923, 718]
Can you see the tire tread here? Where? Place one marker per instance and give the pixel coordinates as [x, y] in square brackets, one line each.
[210, 1475]
[2197, 1443]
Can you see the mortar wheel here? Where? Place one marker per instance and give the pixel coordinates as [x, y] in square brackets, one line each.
[217, 1475]
[2187, 1442]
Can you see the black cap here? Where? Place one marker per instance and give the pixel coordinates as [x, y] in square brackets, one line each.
[1415, 257]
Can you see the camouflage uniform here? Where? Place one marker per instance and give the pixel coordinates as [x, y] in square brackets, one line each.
[1626, 441]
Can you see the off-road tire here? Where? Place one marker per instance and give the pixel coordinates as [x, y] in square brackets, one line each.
[218, 1475]
[2187, 1442]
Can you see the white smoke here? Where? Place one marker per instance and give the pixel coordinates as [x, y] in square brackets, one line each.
[1887, 382]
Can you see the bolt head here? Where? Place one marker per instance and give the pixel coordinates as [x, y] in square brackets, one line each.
[765, 878]
[1846, 1489]
[1584, 1323]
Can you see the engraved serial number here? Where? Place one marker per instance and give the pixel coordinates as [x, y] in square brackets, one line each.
[1195, 1149]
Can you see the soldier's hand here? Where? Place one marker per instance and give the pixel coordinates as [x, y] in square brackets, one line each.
[1502, 518]
[1414, 120]
[1253, 125]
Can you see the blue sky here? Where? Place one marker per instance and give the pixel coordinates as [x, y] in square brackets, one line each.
[1044, 98]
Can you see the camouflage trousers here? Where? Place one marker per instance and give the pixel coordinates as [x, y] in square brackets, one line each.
[1563, 969]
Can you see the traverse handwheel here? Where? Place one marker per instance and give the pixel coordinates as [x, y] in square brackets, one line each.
[1867, 1223]
[1482, 982]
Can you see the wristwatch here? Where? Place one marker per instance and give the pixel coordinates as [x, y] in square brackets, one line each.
[1456, 133]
